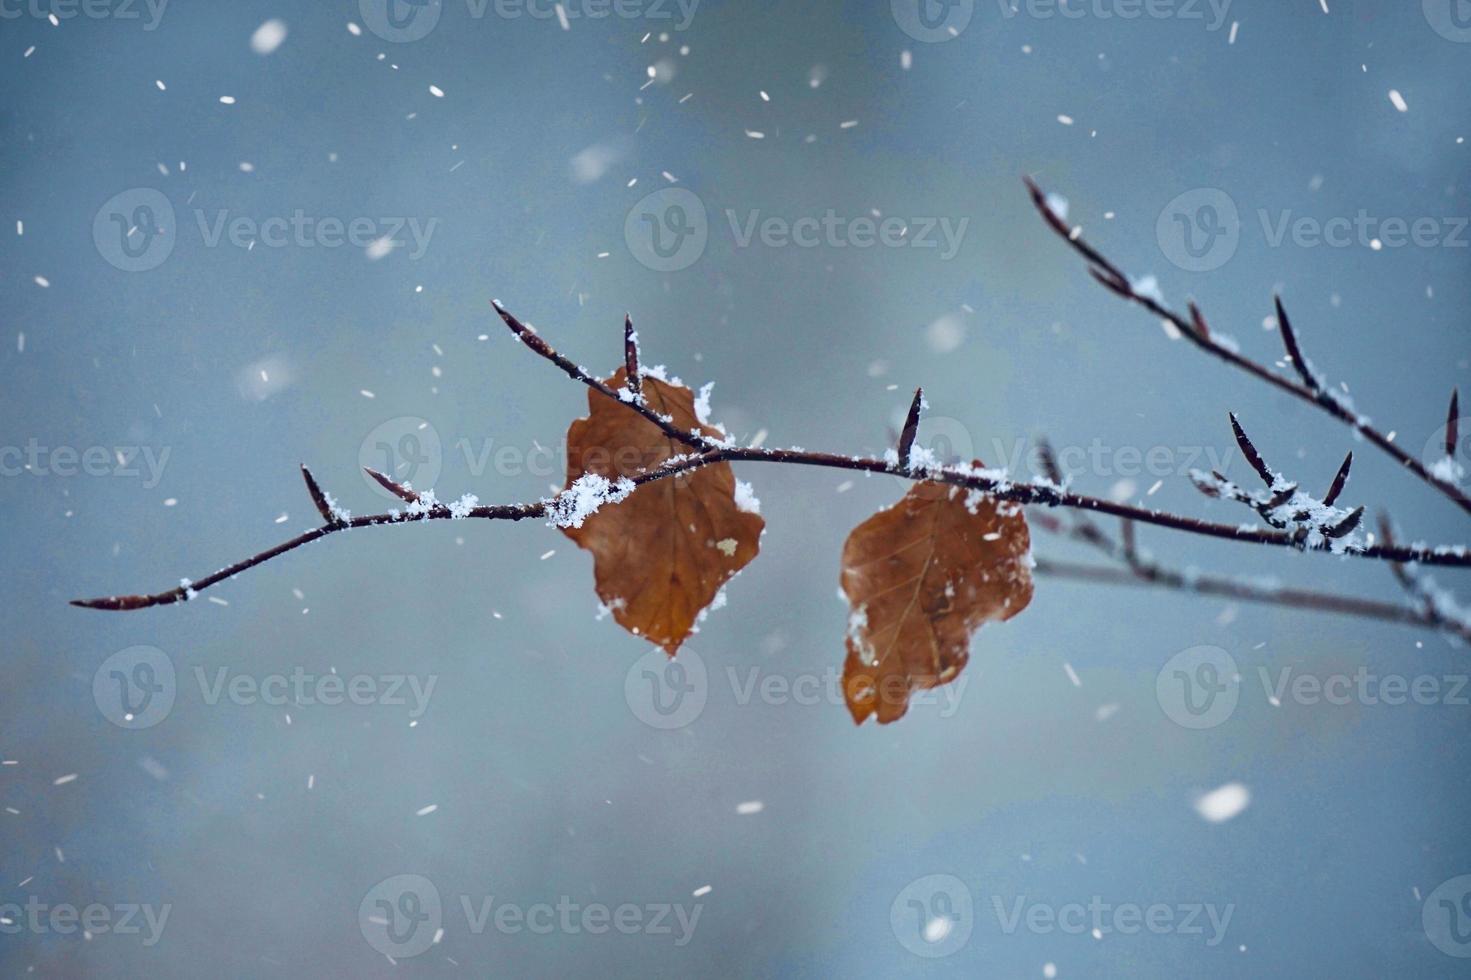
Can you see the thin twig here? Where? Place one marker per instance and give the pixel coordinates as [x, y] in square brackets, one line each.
[1193, 329]
[1139, 570]
[533, 340]
[1248, 592]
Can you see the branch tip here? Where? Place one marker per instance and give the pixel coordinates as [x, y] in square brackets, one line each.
[1347, 525]
[1294, 352]
[911, 427]
[1249, 451]
[630, 356]
[319, 499]
[393, 486]
[1340, 480]
[1453, 423]
[1198, 318]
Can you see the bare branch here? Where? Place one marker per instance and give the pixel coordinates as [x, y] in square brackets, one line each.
[1138, 571]
[1108, 274]
[1047, 494]
[1210, 585]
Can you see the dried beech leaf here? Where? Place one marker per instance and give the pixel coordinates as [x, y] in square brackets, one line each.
[661, 555]
[921, 577]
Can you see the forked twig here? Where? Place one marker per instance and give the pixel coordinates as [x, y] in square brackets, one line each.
[1134, 568]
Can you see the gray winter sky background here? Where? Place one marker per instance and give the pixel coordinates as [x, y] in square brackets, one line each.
[199, 281]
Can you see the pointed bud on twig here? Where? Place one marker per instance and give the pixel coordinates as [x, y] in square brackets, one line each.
[1112, 283]
[1047, 459]
[1340, 480]
[1282, 496]
[1294, 352]
[1210, 487]
[911, 427]
[630, 357]
[1453, 423]
[1249, 451]
[1131, 553]
[528, 336]
[392, 486]
[117, 603]
[1039, 200]
[319, 499]
[1347, 525]
[1198, 318]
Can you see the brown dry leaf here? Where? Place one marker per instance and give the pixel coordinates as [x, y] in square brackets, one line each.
[661, 555]
[921, 577]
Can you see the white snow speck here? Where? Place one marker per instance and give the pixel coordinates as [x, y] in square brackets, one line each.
[268, 37]
[1220, 805]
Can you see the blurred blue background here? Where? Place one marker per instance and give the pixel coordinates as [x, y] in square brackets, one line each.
[229, 348]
